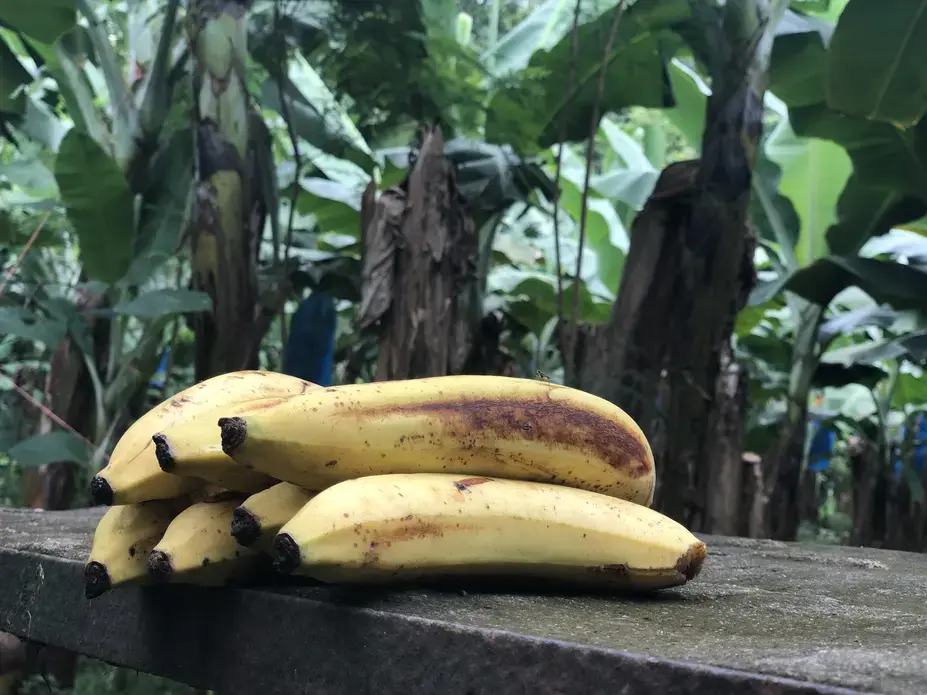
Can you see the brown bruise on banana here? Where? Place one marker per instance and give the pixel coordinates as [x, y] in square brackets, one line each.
[183, 398]
[467, 483]
[409, 528]
[686, 569]
[178, 401]
[552, 423]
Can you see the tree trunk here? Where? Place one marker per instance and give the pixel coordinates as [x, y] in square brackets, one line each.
[782, 470]
[419, 279]
[624, 360]
[723, 490]
[228, 211]
[692, 294]
[863, 471]
[753, 498]
[717, 270]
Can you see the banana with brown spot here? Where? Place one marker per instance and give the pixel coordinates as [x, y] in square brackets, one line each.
[261, 516]
[133, 473]
[122, 540]
[417, 526]
[524, 429]
[192, 448]
[198, 547]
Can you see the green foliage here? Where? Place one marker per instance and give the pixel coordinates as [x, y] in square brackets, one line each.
[48, 448]
[533, 113]
[43, 20]
[99, 205]
[98, 678]
[876, 61]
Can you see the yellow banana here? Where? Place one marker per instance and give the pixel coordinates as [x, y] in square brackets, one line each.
[525, 429]
[198, 547]
[192, 449]
[429, 525]
[133, 473]
[122, 540]
[210, 492]
[261, 516]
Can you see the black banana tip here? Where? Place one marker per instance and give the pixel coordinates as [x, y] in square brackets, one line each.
[159, 567]
[101, 492]
[234, 431]
[163, 452]
[690, 564]
[245, 527]
[287, 552]
[96, 580]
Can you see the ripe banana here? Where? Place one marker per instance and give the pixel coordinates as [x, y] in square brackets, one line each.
[133, 473]
[192, 448]
[430, 525]
[524, 429]
[261, 516]
[122, 540]
[198, 547]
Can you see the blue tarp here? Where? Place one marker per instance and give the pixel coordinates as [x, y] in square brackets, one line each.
[310, 348]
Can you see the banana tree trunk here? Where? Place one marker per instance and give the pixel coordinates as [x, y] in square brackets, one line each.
[419, 275]
[683, 287]
[225, 231]
[718, 268]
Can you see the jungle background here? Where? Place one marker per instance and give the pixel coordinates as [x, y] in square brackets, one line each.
[711, 213]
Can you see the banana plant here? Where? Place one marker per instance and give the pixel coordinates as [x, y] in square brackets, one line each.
[118, 164]
[817, 200]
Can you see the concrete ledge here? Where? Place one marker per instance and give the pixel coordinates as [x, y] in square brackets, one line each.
[764, 618]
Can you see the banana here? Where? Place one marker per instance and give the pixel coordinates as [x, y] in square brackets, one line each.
[261, 516]
[192, 449]
[524, 429]
[133, 473]
[430, 525]
[210, 492]
[122, 540]
[198, 547]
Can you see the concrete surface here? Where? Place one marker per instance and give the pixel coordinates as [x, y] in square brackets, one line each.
[763, 617]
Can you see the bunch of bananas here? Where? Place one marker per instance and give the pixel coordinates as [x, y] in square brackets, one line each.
[385, 481]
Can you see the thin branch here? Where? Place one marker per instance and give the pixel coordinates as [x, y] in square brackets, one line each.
[25, 250]
[54, 418]
[590, 151]
[561, 136]
[172, 343]
[297, 169]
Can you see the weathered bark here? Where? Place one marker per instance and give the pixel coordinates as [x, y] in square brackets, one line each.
[753, 498]
[723, 489]
[885, 513]
[906, 511]
[623, 360]
[809, 497]
[782, 470]
[717, 272]
[420, 251]
[696, 272]
[488, 355]
[228, 213]
[863, 469]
